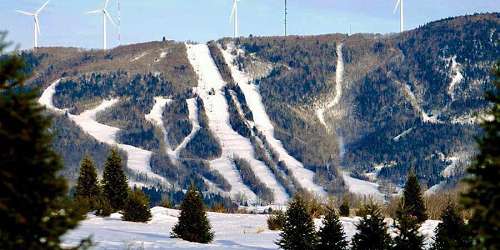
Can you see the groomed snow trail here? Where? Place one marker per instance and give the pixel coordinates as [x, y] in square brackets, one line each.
[263, 123]
[339, 79]
[232, 232]
[456, 77]
[361, 187]
[232, 143]
[138, 159]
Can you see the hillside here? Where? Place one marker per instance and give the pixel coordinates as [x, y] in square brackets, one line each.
[260, 118]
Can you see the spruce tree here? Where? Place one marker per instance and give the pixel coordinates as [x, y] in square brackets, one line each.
[193, 224]
[137, 207]
[87, 187]
[34, 209]
[413, 199]
[299, 231]
[371, 230]
[331, 236]
[115, 187]
[483, 194]
[344, 208]
[451, 233]
[406, 224]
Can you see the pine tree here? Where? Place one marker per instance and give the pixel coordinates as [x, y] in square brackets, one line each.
[344, 208]
[371, 230]
[299, 231]
[87, 187]
[115, 187]
[413, 199]
[34, 209]
[331, 236]
[406, 224]
[137, 207]
[451, 233]
[483, 195]
[193, 224]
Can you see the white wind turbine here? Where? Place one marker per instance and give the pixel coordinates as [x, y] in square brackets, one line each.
[105, 16]
[36, 25]
[234, 17]
[400, 4]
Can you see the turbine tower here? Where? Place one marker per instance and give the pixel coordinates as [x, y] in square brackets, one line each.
[400, 4]
[105, 16]
[36, 25]
[234, 17]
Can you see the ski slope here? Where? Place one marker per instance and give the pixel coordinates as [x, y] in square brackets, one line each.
[426, 118]
[263, 123]
[156, 117]
[339, 79]
[363, 188]
[232, 143]
[456, 76]
[232, 232]
[138, 159]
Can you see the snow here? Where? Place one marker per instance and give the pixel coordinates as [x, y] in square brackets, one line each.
[138, 159]
[263, 124]
[156, 117]
[143, 54]
[426, 118]
[361, 187]
[339, 78]
[232, 143]
[232, 231]
[193, 118]
[456, 76]
[398, 137]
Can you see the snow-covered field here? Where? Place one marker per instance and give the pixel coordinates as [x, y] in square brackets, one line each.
[363, 188]
[232, 231]
[263, 123]
[138, 159]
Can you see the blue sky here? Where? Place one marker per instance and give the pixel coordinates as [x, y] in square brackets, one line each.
[64, 24]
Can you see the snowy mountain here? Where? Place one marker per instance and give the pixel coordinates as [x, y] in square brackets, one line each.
[259, 118]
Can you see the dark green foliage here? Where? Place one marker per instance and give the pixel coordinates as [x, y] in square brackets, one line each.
[176, 121]
[298, 232]
[407, 225]
[34, 209]
[137, 207]
[115, 187]
[237, 121]
[371, 230]
[344, 209]
[276, 221]
[331, 236]
[87, 184]
[102, 206]
[451, 233]
[413, 201]
[483, 194]
[249, 179]
[193, 223]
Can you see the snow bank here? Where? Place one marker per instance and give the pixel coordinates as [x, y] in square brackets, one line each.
[361, 187]
[138, 159]
[232, 231]
[263, 123]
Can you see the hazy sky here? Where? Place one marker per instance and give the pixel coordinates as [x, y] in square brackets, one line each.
[64, 24]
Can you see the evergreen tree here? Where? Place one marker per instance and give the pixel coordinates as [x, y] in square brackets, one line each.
[451, 233]
[483, 195]
[344, 208]
[331, 236]
[34, 209]
[87, 185]
[299, 231]
[371, 230]
[115, 187]
[137, 207]
[413, 199]
[193, 223]
[408, 237]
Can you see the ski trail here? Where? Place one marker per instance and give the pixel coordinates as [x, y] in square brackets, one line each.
[138, 159]
[193, 118]
[156, 117]
[232, 143]
[339, 79]
[456, 77]
[362, 187]
[398, 137]
[263, 123]
[414, 103]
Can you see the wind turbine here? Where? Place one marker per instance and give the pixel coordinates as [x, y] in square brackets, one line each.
[36, 25]
[105, 16]
[400, 4]
[234, 17]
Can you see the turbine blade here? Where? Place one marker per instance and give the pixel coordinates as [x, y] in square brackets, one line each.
[93, 12]
[43, 6]
[110, 18]
[25, 13]
[106, 4]
[396, 7]
[233, 12]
